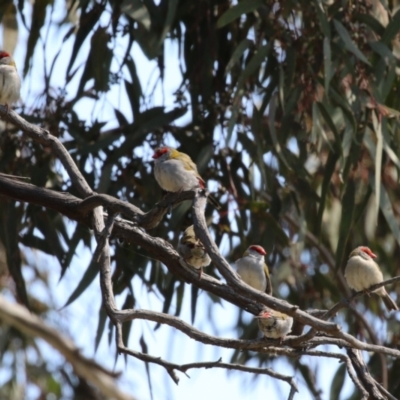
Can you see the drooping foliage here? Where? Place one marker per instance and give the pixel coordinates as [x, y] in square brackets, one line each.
[289, 109]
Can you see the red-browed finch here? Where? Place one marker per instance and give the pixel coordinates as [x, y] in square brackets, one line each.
[175, 172]
[192, 250]
[10, 83]
[362, 272]
[253, 269]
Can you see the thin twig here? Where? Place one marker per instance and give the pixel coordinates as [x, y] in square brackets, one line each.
[363, 374]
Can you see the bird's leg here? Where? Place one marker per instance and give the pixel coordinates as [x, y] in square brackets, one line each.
[200, 272]
[170, 204]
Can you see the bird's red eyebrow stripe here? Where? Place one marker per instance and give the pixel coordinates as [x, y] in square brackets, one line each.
[159, 152]
[258, 249]
[368, 251]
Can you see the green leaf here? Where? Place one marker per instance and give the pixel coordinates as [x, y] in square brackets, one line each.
[238, 52]
[323, 20]
[348, 42]
[9, 236]
[126, 327]
[281, 87]
[151, 41]
[290, 72]
[243, 7]
[136, 10]
[194, 293]
[169, 20]
[88, 277]
[337, 382]
[392, 29]
[134, 88]
[253, 64]
[147, 121]
[345, 107]
[371, 22]
[98, 63]
[144, 348]
[258, 132]
[383, 50]
[327, 64]
[232, 120]
[272, 130]
[179, 291]
[346, 221]
[388, 213]
[86, 24]
[377, 124]
[318, 130]
[327, 117]
[328, 172]
[38, 18]
[100, 327]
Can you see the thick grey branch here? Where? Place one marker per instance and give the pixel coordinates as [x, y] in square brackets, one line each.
[78, 209]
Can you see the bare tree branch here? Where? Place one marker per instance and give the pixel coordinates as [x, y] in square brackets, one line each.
[363, 374]
[90, 212]
[165, 253]
[31, 325]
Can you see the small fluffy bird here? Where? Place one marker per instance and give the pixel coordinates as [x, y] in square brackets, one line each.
[176, 171]
[362, 272]
[274, 324]
[10, 83]
[192, 250]
[253, 269]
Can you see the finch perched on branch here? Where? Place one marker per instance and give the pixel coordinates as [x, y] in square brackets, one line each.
[10, 83]
[274, 324]
[175, 172]
[253, 269]
[362, 272]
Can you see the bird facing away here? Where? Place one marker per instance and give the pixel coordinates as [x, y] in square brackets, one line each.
[253, 269]
[10, 82]
[175, 171]
[192, 250]
[362, 272]
[274, 324]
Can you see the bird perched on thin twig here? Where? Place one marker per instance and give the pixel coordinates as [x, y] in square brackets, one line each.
[274, 324]
[175, 172]
[10, 82]
[253, 269]
[362, 272]
[193, 251]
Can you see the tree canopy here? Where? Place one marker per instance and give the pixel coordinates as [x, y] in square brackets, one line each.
[290, 111]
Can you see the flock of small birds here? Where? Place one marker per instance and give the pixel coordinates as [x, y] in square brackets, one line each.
[175, 172]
